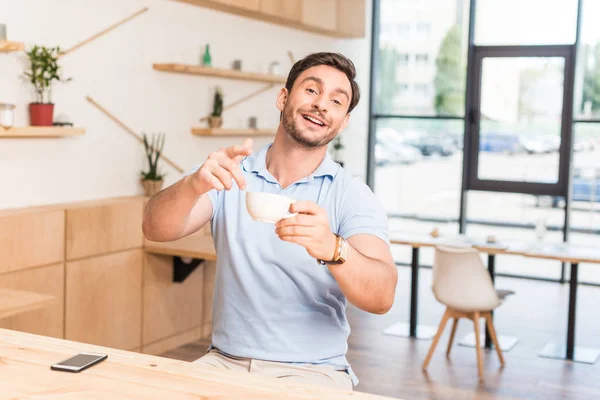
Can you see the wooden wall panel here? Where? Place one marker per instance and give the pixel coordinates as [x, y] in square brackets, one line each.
[104, 227]
[284, 9]
[351, 18]
[104, 300]
[170, 308]
[47, 321]
[30, 239]
[321, 14]
[210, 268]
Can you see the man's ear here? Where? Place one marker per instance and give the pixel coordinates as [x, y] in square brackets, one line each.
[282, 97]
[345, 122]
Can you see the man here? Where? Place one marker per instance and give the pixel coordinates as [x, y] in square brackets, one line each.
[281, 291]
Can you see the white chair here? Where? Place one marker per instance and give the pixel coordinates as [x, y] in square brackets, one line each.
[462, 283]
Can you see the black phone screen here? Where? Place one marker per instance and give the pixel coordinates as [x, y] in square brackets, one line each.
[80, 360]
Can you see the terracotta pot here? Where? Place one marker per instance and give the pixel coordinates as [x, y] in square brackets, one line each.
[151, 187]
[215, 122]
[41, 114]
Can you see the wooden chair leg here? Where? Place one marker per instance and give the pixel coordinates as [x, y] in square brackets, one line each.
[454, 325]
[492, 330]
[476, 317]
[436, 338]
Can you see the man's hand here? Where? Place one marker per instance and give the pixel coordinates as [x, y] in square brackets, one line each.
[310, 229]
[220, 169]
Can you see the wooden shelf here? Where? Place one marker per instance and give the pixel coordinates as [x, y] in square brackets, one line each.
[6, 46]
[13, 302]
[39, 132]
[193, 246]
[232, 132]
[219, 73]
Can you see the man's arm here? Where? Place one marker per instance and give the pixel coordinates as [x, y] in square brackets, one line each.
[369, 275]
[185, 207]
[367, 278]
[176, 212]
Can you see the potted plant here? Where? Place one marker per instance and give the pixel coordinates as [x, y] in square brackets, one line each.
[337, 147]
[43, 71]
[215, 120]
[152, 180]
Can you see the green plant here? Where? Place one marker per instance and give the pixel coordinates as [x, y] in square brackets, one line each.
[43, 70]
[154, 148]
[218, 103]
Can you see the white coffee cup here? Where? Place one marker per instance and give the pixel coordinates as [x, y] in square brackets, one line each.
[268, 207]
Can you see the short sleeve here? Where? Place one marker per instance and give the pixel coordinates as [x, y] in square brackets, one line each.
[214, 195]
[362, 212]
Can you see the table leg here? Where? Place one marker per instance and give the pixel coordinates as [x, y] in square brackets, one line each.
[492, 271]
[412, 329]
[414, 291]
[570, 352]
[572, 311]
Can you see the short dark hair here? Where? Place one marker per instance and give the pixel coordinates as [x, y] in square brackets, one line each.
[334, 60]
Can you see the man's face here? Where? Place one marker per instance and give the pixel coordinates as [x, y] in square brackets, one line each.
[315, 110]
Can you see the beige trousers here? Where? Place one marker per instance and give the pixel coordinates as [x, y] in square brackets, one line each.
[321, 375]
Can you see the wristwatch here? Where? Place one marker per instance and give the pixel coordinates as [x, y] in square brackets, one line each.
[341, 252]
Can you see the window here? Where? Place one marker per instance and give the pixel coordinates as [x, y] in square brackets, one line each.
[440, 51]
[403, 59]
[517, 22]
[422, 59]
[423, 30]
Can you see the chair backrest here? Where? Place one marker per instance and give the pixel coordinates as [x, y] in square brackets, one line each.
[461, 281]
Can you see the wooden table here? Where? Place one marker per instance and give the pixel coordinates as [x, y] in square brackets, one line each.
[25, 372]
[13, 302]
[560, 252]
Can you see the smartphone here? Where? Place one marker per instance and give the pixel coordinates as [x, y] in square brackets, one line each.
[79, 362]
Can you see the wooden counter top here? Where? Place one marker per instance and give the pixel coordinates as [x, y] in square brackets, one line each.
[193, 246]
[25, 361]
[13, 302]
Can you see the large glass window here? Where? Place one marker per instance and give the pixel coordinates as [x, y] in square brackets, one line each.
[434, 33]
[587, 84]
[521, 87]
[521, 118]
[525, 22]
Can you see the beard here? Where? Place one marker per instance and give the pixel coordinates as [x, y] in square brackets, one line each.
[290, 127]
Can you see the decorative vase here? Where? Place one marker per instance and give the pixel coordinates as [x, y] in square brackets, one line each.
[151, 187]
[215, 122]
[41, 114]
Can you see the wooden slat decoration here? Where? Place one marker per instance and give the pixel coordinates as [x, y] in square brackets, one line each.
[219, 73]
[105, 227]
[104, 300]
[31, 238]
[48, 320]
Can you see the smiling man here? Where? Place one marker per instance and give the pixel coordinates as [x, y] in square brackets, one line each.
[281, 291]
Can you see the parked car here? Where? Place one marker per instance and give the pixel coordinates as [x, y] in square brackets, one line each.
[392, 150]
[498, 142]
[397, 155]
[585, 184]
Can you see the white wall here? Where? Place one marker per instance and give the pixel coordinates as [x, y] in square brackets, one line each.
[116, 70]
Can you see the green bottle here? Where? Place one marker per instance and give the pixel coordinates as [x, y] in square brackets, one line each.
[206, 60]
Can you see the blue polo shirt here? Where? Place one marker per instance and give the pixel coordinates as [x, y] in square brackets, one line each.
[272, 301]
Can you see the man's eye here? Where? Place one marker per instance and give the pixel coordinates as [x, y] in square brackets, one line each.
[337, 102]
[309, 90]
